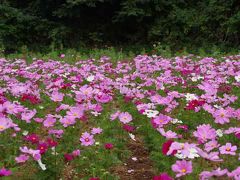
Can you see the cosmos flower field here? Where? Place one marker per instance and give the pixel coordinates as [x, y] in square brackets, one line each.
[145, 118]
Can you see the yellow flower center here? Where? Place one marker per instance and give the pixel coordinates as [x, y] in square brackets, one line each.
[2, 127]
[228, 149]
[184, 170]
[74, 114]
[222, 114]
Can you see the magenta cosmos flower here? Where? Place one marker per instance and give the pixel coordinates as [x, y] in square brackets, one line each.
[42, 147]
[108, 146]
[5, 172]
[166, 146]
[182, 168]
[33, 138]
[125, 117]
[87, 139]
[228, 149]
[163, 176]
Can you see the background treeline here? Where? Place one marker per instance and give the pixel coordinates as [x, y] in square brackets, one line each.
[44, 24]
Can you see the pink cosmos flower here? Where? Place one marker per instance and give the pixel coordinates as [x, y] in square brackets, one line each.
[5, 123]
[28, 115]
[56, 132]
[235, 173]
[76, 153]
[22, 158]
[38, 120]
[169, 134]
[228, 149]
[174, 147]
[11, 108]
[161, 120]
[96, 130]
[182, 168]
[211, 145]
[184, 127]
[125, 117]
[85, 93]
[87, 139]
[57, 96]
[212, 156]
[222, 116]
[205, 175]
[75, 112]
[205, 132]
[62, 55]
[34, 153]
[103, 98]
[62, 107]
[49, 122]
[115, 115]
[5, 172]
[66, 121]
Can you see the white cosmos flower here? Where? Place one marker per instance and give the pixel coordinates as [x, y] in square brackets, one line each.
[194, 79]
[132, 136]
[134, 158]
[95, 113]
[25, 133]
[90, 78]
[41, 107]
[151, 113]
[193, 153]
[190, 97]
[179, 155]
[217, 106]
[176, 121]
[219, 132]
[237, 78]
[97, 143]
[42, 166]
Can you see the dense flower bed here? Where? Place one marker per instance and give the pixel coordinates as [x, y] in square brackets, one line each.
[45, 104]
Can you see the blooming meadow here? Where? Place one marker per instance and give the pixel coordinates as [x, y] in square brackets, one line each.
[76, 121]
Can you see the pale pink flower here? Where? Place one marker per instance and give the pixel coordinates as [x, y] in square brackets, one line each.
[228, 149]
[182, 168]
[57, 96]
[87, 139]
[125, 117]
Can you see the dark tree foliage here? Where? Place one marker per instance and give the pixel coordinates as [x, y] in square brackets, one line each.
[72, 23]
